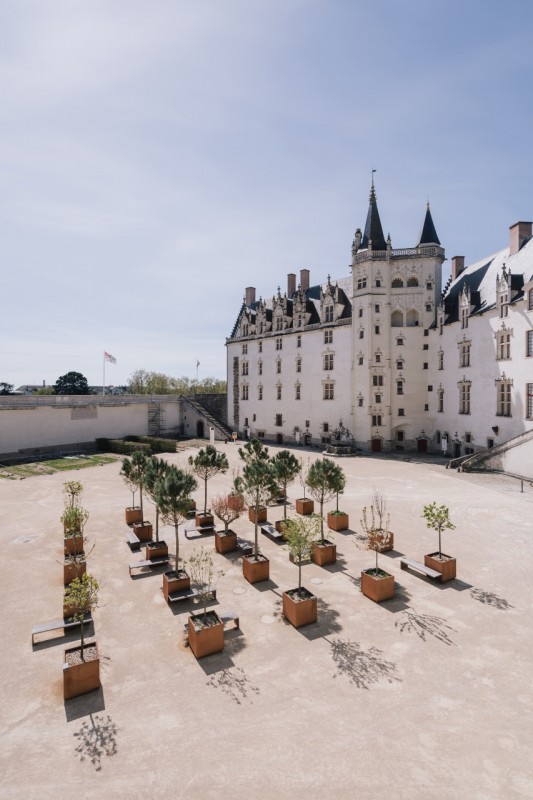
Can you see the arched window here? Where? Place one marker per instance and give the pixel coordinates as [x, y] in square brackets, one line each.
[412, 318]
[412, 281]
[397, 283]
[397, 319]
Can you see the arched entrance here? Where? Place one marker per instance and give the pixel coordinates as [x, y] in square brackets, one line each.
[422, 445]
[376, 445]
[200, 429]
[456, 449]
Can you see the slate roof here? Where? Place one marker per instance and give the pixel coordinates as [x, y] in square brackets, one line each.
[428, 234]
[480, 278]
[373, 230]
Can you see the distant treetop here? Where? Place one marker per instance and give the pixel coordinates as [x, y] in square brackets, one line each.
[72, 383]
[144, 382]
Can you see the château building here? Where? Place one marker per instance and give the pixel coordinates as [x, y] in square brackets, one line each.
[386, 353]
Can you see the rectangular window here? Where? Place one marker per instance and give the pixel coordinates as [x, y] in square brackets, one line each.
[297, 394]
[426, 365]
[503, 345]
[376, 420]
[529, 401]
[440, 400]
[361, 283]
[260, 434]
[278, 367]
[378, 398]
[278, 392]
[377, 380]
[400, 436]
[279, 343]
[325, 427]
[378, 358]
[328, 313]
[464, 317]
[298, 341]
[529, 344]
[298, 365]
[464, 398]
[360, 312]
[260, 368]
[399, 364]
[244, 349]
[279, 420]
[399, 341]
[245, 392]
[530, 300]
[360, 402]
[328, 337]
[245, 368]
[378, 283]
[376, 328]
[259, 392]
[328, 361]
[441, 359]
[425, 347]
[329, 391]
[464, 354]
[360, 361]
[401, 412]
[399, 387]
[503, 399]
[376, 308]
[361, 334]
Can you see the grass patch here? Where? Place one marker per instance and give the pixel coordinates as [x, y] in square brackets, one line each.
[55, 465]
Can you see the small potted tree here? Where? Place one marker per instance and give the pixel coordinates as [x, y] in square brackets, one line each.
[132, 513]
[438, 519]
[172, 497]
[324, 480]
[134, 471]
[338, 520]
[376, 584]
[205, 630]
[81, 666]
[226, 540]
[257, 484]
[286, 468]
[300, 605]
[235, 499]
[304, 505]
[155, 471]
[207, 463]
[74, 519]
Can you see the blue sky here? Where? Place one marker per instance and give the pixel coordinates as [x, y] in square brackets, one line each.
[157, 157]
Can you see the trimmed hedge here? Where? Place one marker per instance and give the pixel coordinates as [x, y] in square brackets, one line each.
[156, 444]
[122, 447]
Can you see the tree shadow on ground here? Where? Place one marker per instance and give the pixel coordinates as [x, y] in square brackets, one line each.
[233, 682]
[147, 572]
[234, 642]
[424, 626]
[340, 565]
[85, 704]
[490, 599]
[326, 624]
[96, 739]
[362, 667]
[400, 601]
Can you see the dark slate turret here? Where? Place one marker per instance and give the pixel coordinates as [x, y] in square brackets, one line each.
[373, 230]
[428, 234]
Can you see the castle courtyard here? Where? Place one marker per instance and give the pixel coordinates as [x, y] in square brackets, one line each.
[427, 695]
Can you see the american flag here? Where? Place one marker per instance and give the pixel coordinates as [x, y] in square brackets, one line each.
[109, 357]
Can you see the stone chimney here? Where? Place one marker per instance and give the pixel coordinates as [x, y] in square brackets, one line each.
[291, 284]
[250, 295]
[520, 232]
[304, 279]
[458, 265]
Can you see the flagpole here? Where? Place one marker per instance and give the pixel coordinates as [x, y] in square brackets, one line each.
[103, 383]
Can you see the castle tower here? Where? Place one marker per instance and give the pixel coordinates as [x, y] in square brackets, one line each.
[395, 296]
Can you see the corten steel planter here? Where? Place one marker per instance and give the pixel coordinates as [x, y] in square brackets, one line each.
[299, 612]
[338, 522]
[377, 588]
[83, 677]
[446, 565]
[324, 554]
[143, 531]
[235, 502]
[156, 550]
[192, 504]
[73, 570]
[203, 520]
[133, 514]
[255, 571]
[73, 544]
[205, 641]
[225, 542]
[280, 525]
[305, 506]
[375, 541]
[261, 514]
[173, 583]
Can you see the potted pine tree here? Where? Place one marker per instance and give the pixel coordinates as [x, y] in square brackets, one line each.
[438, 519]
[376, 583]
[226, 540]
[155, 471]
[172, 497]
[205, 630]
[304, 505]
[324, 480]
[207, 463]
[257, 484]
[286, 468]
[300, 605]
[81, 666]
[132, 513]
[134, 473]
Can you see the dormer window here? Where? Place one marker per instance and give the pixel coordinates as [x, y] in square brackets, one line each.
[328, 313]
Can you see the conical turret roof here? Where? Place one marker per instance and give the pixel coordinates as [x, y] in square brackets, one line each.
[373, 230]
[428, 234]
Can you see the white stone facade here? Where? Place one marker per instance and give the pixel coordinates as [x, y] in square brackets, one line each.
[402, 364]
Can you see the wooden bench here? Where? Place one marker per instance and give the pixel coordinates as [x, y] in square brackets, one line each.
[154, 562]
[133, 540]
[59, 624]
[189, 594]
[271, 532]
[419, 567]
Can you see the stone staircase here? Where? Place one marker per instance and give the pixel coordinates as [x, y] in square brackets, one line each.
[493, 458]
[213, 421]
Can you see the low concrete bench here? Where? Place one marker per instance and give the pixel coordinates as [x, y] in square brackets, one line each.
[205, 529]
[271, 532]
[59, 624]
[154, 562]
[133, 540]
[189, 594]
[244, 547]
[419, 567]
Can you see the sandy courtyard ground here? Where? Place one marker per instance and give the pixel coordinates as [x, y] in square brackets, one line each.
[425, 696]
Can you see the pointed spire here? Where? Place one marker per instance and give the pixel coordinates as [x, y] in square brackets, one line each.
[428, 234]
[373, 230]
